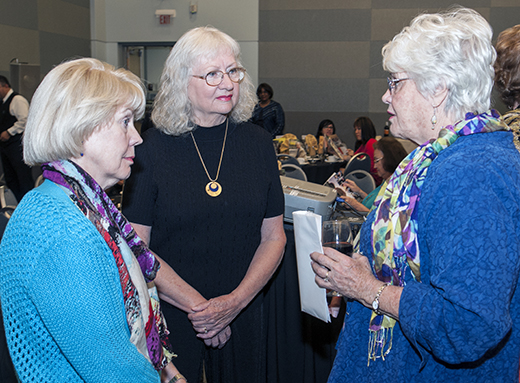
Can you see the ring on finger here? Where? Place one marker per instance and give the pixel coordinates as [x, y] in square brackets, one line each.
[205, 330]
[326, 279]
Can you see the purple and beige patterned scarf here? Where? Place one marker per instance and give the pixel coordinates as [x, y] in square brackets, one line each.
[92, 200]
[395, 245]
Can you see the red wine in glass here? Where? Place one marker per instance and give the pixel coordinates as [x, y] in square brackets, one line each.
[343, 247]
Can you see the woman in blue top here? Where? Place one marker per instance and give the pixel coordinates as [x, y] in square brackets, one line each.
[434, 280]
[76, 282]
[268, 113]
[388, 154]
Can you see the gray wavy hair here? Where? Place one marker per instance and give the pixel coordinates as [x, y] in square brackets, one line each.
[451, 49]
[172, 113]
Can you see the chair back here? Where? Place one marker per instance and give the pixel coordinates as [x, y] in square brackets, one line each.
[363, 180]
[7, 198]
[294, 171]
[287, 159]
[39, 181]
[360, 161]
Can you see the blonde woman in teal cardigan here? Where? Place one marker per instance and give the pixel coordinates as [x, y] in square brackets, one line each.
[76, 282]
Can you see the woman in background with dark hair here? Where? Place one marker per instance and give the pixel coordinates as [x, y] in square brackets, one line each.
[507, 77]
[365, 132]
[365, 140]
[327, 128]
[388, 154]
[268, 113]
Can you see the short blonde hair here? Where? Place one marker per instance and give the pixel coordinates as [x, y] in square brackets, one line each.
[172, 113]
[73, 100]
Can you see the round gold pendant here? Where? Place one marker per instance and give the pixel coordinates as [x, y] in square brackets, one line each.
[213, 189]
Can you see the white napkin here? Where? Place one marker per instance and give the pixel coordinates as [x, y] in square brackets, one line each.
[307, 235]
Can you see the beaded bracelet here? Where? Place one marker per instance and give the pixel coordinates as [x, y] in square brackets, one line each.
[178, 377]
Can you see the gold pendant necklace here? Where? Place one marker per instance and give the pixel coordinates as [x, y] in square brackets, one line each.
[213, 188]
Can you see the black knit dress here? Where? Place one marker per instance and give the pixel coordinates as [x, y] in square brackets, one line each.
[209, 241]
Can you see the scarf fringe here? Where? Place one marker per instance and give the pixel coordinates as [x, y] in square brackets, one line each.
[377, 344]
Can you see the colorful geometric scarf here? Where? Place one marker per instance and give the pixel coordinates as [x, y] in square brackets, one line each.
[395, 245]
[92, 200]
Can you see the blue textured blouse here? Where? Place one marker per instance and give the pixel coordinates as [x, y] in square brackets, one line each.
[461, 324]
[270, 117]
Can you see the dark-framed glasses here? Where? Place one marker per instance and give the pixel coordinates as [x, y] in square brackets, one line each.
[215, 78]
[392, 83]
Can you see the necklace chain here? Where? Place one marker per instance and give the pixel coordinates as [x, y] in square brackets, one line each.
[221, 154]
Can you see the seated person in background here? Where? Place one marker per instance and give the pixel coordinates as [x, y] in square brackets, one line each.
[388, 154]
[268, 113]
[327, 129]
[365, 140]
[507, 77]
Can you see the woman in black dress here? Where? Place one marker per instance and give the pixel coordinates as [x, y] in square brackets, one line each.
[206, 195]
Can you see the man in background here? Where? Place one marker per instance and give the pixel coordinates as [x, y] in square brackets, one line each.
[13, 116]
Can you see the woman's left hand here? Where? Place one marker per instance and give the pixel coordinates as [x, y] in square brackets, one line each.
[219, 340]
[352, 276]
[211, 317]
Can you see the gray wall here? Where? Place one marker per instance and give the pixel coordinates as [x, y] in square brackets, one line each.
[133, 21]
[323, 57]
[43, 32]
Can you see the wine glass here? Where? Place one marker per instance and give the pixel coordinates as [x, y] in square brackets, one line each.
[338, 235]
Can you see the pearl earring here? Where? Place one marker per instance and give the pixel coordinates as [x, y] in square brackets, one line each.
[434, 118]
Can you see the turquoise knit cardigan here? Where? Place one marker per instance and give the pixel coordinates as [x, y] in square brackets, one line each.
[61, 297]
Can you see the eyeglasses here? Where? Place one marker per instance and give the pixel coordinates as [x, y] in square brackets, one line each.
[215, 78]
[376, 160]
[392, 83]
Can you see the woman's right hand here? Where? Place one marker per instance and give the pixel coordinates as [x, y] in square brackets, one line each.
[352, 277]
[355, 204]
[169, 372]
[353, 186]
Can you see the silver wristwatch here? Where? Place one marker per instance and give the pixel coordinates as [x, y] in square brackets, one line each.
[375, 302]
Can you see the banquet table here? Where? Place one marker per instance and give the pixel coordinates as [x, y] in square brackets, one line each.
[300, 348]
[321, 171]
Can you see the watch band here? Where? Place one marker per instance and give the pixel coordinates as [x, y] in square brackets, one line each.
[375, 302]
[177, 377]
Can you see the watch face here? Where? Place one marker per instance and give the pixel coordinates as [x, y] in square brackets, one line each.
[375, 305]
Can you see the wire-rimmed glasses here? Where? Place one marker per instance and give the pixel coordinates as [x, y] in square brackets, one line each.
[215, 78]
[392, 83]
